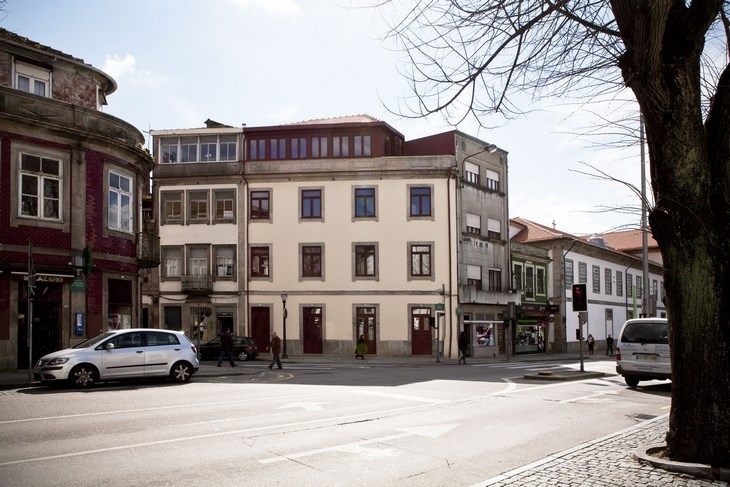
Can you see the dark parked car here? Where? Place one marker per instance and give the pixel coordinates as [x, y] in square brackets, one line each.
[244, 348]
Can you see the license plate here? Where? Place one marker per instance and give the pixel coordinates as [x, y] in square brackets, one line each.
[646, 358]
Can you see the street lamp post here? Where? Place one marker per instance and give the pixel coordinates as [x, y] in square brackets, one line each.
[283, 301]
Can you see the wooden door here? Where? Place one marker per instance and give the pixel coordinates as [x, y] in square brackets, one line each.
[421, 339]
[312, 329]
[366, 321]
[261, 326]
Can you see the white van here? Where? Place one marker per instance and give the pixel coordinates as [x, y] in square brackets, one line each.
[642, 351]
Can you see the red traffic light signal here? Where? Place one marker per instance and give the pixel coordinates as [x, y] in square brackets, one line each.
[580, 297]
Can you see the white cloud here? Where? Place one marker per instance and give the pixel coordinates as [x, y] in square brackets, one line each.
[276, 7]
[126, 68]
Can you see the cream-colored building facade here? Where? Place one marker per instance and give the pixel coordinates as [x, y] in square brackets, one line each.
[328, 230]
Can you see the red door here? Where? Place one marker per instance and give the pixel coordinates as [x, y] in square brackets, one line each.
[421, 340]
[261, 327]
[312, 330]
[366, 327]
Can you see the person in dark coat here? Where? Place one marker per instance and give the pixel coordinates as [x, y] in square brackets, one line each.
[591, 344]
[463, 347]
[275, 347]
[226, 348]
[609, 345]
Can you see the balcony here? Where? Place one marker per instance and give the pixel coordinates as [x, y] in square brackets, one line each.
[148, 250]
[469, 294]
[197, 284]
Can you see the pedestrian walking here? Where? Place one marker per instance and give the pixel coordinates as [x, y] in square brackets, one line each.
[275, 347]
[360, 348]
[463, 347]
[226, 348]
[609, 345]
[591, 344]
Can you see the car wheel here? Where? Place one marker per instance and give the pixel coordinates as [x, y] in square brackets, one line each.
[181, 372]
[83, 376]
[242, 355]
[631, 381]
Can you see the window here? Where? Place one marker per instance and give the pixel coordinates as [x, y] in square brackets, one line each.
[172, 261]
[225, 205]
[492, 180]
[198, 206]
[40, 187]
[569, 278]
[120, 202]
[341, 146]
[619, 283]
[298, 148]
[420, 198]
[257, 149]
[168, 149]
[260, 205]
[529, 282]
[198, 261]
[311, 203]
[494, 229]
[364, 202]
[319, 146]
[365, 262]
[471, 173]
[474, 276]
[311, 260]
[277, 149]
[582, 272]
[362, 145]
[420, 260]
[208, 149]
[32, 79]
[639, 286]
[259, 261]
[495, 280]
[473, 224]
[608, 281]
[629, 286]
[540, 282]
[227, 148]
[172, 207]
[596, 278]
[517, 276]
[224, 261]
[189, 149]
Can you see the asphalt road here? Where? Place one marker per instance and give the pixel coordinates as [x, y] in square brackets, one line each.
[312, 425]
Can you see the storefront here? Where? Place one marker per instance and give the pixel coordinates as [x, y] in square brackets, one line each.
[532, 327]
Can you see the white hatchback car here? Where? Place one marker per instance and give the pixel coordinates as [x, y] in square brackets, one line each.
[122, 354]
[642, 351]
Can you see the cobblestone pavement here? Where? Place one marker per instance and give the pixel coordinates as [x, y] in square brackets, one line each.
[604, 462]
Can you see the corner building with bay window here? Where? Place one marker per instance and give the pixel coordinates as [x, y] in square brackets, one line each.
[74, 248]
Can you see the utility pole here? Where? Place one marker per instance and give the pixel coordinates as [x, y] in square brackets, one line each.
[31, 295]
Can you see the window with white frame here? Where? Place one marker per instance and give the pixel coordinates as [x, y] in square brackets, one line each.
[224, 205]
[227, 146]
[473, 224]
[198, 206]
[517, 276]
[172, 207]
[582, 272]
[188, 149]
[608, 281]
[208, 149]
[474, 276]
[495, 280]
[172, 261]
[32, 79]
[41, 181]
[471, 173]
[121, 202]
[540, 281]
[224, 261]
[494, 228]
[569, 277]
[197, 261]
[529, 282]
[619, 283]
[492, 180]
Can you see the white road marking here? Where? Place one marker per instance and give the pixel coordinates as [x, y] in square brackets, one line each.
[307, 406]
[431, 431]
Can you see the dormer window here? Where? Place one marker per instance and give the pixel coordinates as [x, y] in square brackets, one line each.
[32, 79]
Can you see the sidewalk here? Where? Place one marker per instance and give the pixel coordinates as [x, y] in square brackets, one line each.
[612, 460]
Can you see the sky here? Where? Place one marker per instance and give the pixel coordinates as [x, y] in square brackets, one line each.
[178, 63]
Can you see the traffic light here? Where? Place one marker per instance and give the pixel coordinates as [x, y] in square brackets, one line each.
[580, 298]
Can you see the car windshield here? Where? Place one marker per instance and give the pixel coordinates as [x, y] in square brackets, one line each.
[93, 341]
[646, 333]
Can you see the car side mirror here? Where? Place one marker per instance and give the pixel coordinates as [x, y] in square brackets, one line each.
[109, 346]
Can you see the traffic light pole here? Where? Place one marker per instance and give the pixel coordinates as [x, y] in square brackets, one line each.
[580, 342]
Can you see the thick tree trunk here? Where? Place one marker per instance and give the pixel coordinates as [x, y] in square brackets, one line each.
[690, 172]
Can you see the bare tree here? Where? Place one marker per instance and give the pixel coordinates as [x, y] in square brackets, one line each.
[475, 58]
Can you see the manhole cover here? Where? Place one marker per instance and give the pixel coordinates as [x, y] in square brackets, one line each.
[645, 416]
